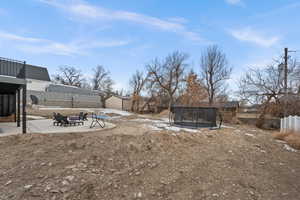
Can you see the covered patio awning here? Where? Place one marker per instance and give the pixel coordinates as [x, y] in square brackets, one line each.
[12, 82]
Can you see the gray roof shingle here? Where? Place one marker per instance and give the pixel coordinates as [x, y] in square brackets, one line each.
[14, 68]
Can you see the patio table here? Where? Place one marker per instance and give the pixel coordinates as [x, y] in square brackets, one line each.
[75, 120]
[98, 119]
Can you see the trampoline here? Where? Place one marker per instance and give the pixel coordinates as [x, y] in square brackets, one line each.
[196, 117]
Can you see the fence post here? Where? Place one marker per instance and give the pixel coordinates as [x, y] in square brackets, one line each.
[293, 123]
[284, 124]
[297, 124]
[72, 102]
[289, 123]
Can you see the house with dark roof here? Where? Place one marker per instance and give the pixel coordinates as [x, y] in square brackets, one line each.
[37, 77]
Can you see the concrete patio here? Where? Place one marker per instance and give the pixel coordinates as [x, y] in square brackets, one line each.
[45, 126]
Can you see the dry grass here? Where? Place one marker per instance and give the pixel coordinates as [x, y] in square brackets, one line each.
[164, 113]
[292, 139]
[280, 136]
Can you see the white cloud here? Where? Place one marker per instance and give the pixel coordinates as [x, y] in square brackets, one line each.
[252, 36]
[44, 46]
[82, 9]
[260, 64]
[234, 2]
[9, 36]
[119, 86]
[180, 20]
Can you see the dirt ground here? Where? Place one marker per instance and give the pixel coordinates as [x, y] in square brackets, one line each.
[132, 161]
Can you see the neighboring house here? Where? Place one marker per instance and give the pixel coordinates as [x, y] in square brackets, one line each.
[250, 108]
[229, 110]
[37, 78]
[118, 102]
[229, 106]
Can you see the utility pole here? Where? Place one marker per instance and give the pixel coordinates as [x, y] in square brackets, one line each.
[286, 51]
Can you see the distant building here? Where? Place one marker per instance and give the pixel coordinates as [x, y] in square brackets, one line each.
[250, 108]
[37, 78]
[118, 102]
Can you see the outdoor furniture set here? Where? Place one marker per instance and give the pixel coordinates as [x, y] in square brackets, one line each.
[60, 120]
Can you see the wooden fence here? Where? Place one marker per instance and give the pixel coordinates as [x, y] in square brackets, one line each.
[290, 124]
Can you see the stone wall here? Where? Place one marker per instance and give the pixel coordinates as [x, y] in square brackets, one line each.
[66, 100]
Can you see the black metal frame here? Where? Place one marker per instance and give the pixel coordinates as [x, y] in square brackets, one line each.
[195, 117]
[97, 120]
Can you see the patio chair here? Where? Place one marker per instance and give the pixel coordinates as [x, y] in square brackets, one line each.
[83, 117]
[54, 115]
[58, 119]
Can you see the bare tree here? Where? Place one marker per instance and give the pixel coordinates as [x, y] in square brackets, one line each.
[137, 83]
[214, 71]
[69, 76]
[265, 86]
[102, 81]
[168, 74]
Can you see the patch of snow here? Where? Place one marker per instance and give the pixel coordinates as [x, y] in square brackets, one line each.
[154, 128]
[223, 126]
[190, 130]
[28, 186]
[114, 111]
[250, 135]
[35, 117]
[288, 148]
[172, 128]
[159, 125]
[146, 120]
[8, 182]
[165, 119]
[280, 141]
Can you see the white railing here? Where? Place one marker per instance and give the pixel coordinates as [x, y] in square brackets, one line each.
[290, 124]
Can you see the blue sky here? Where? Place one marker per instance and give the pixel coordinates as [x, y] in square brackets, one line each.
[125, 35]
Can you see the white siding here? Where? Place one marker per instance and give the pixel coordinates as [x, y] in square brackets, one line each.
[290, 124]
[37, 85]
